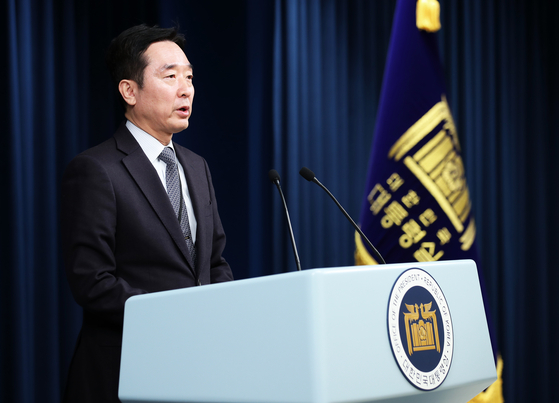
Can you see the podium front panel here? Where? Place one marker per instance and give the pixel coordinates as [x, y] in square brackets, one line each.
[317, 335]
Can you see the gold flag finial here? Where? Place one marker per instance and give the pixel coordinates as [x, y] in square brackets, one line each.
[427, 15]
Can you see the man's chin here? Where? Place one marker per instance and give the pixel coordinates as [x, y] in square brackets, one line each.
[181, 127]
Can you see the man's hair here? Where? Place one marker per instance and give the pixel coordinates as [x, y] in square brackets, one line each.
[125, 56]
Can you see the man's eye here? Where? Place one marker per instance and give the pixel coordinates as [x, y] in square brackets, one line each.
[171, 76]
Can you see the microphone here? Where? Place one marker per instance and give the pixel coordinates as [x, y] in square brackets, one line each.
[309, 175]
[275, 178]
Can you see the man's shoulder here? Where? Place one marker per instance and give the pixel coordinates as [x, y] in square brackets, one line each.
[103, 152]
[110, 149]
[106, 156]
[101, 148]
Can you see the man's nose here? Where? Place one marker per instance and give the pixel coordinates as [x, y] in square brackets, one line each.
[186, 88]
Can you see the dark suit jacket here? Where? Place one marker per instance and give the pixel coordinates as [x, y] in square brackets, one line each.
[121, 237]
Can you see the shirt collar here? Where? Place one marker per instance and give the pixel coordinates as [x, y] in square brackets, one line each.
[149, 144]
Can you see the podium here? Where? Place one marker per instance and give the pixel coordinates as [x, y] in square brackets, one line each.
[317, 336]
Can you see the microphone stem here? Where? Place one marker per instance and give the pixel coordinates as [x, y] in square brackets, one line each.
[297, 262]
[375, 251]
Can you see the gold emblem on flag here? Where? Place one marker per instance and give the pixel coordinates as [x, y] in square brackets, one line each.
[422, 331]
[438, 165]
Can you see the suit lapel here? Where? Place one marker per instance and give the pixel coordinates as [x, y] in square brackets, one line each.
[143, 173]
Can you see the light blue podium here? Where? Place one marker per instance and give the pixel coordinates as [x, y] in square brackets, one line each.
[317, 336]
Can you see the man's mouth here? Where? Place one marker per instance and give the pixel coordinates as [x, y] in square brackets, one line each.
[185, 110]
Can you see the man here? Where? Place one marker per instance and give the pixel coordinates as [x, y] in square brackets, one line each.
[138, 211]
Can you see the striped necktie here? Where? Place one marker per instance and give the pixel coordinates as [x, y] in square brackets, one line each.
[174, 190]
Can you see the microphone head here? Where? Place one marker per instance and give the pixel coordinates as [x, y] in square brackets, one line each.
[273, 175]
[307, 174]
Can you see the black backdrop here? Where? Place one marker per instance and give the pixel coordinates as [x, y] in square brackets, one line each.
[281, 84]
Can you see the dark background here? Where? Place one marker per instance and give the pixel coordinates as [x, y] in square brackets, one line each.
[282, 84]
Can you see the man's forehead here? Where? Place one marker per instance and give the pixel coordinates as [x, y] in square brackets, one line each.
[163, 54]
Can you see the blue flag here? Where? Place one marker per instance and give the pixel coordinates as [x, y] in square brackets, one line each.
[417, 205]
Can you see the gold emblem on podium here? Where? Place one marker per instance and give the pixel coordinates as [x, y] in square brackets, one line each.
[422, 331]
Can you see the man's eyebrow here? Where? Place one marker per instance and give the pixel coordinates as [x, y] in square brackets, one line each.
[172, 66]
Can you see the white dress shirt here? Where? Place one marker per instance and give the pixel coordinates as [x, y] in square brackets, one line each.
[152, 148]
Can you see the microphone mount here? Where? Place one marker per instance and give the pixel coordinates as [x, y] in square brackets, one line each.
[310, 176]
[275, 179]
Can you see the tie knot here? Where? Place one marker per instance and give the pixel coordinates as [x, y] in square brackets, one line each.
[167, 156]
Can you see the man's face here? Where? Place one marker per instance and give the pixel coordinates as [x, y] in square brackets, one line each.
[164, 104]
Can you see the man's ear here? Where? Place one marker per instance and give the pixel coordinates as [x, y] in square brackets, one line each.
[128, 89]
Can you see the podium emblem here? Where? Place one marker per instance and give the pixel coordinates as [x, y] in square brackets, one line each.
[420, 329]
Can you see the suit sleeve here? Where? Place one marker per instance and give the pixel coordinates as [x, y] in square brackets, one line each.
[219, 268]
[88, 228]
